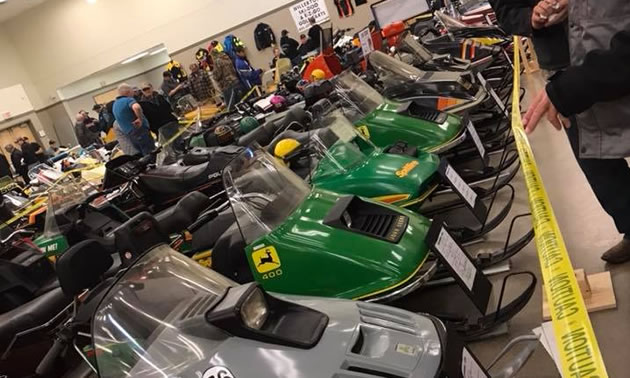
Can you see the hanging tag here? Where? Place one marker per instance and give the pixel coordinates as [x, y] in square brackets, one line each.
[475, 137]
[464, 191]
[462, 267]
[471, 368]
[492, 92]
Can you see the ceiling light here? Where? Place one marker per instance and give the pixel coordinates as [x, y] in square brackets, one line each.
[91, 1]
[158, 50]
[133, 58]
[3, 1]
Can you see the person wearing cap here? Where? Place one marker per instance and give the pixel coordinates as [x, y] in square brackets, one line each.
[155, 107]
[227, 79]
[289, 45]
[172, 90]
[105, 118]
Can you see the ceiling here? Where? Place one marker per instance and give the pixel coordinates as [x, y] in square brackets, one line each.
[12, 8]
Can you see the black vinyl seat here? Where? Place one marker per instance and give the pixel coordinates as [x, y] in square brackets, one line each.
[183, 214]
[32, 314]
[175, 179]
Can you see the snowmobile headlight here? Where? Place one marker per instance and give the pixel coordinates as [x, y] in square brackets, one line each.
[254, 311]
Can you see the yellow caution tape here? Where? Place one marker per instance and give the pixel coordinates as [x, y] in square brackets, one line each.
[579, 352]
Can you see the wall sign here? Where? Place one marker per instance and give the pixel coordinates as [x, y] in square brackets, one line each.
[306, 9]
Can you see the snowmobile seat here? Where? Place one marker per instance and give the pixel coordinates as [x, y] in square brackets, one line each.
[206, 237]
[174, 179]
[402, 148]
[31, 314]
[82, 266]
[217, 156]
[184, 213]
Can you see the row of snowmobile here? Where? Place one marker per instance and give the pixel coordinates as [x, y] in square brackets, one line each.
[264, 244]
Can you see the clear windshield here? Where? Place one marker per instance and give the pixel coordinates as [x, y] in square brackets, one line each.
[143, 327]
[262, 192]
[357, 93]
[335, 146]
[173, 138]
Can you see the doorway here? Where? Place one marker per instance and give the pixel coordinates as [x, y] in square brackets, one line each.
[10, 134]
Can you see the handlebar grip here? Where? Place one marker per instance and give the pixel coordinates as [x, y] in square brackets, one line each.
[48, 362]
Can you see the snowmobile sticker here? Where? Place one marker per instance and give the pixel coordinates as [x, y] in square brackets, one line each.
[266, 259]
[364, 131]
[409, 350]
[405, 169]
[218, 372]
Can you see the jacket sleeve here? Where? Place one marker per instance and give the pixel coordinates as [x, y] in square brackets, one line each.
[603, 76]
[514, 16]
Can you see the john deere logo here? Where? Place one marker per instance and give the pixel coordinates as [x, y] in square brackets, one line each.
[363, 130]
[266, 259]
[218, 372]
[404, 171]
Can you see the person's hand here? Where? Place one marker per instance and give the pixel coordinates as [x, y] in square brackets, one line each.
[540, 107]
[541, 14]
[560, 12]
[137, 123]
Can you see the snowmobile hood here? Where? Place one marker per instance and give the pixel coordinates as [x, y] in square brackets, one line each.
[152, 323]
[395, 179]
[336, 245]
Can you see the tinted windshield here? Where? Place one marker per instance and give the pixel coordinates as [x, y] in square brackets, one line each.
[411, 45]
[357, 93]
[140, 327]
[262, 192]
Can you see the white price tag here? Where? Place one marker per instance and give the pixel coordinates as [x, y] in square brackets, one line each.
[475, 137]
[492, 92]
[365, 37]
[460, 185]
[456, 258]
[470, 367]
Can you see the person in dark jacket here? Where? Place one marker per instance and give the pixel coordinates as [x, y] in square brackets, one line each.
[83, 128]
[315, 35]
[29, 150]
[155, 108]
[594, 93]
[5, 168]
[289, 45]
[277, 54]
[303, 48]
[264, 37]
[532, 18]
[17, 159]
[105, 117]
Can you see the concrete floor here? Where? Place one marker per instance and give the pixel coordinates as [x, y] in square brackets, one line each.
[588, 231]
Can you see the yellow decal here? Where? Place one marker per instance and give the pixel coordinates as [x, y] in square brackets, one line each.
[266, 259]
[580, 355]
[363, 130]
[392, 198]
[404, 171]
[203, 258]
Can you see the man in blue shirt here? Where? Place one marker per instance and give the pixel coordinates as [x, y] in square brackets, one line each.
[132, 121]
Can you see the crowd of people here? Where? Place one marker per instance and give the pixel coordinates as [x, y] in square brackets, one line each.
[221, 75]
[24, 155]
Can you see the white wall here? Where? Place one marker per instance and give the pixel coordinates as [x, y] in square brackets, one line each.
[62, 41]
[13, 71]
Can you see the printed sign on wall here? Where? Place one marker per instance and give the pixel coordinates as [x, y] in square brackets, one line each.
[306, 9]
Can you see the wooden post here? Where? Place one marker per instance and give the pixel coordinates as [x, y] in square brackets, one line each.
[597, 291]
[528, 55]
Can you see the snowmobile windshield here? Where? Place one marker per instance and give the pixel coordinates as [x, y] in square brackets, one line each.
[262, 192]
[357, 93]
[150, 323]
[173, 138]
[337, 146]
[411, 45]
[433, 80]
